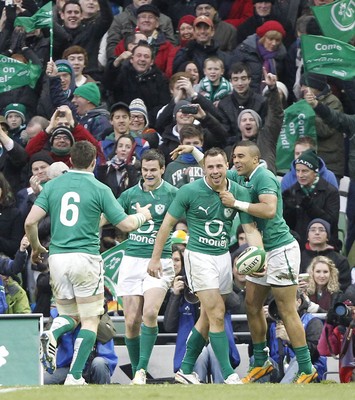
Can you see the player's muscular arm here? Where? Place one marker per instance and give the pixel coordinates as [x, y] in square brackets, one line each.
[266, 208]
[135, 221]
[252, 234]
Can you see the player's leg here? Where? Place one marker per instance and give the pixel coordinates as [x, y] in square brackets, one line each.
[90, 309]
[86, 277]
[256, 295]
[66, 306]
[130, 288]
[283, 272]
[154, 292]
[286, 305]
[194, 346]
[213, 304]
[133, 309]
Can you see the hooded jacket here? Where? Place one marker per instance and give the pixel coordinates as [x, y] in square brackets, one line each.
[290, 178]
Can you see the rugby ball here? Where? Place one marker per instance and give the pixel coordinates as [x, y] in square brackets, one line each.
[251, 260]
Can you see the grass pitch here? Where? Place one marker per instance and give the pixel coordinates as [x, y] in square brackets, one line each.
[322, 391]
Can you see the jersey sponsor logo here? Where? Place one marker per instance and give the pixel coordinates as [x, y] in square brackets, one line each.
[213, 242]
[159, 209]
[204, 209]
[228, 212]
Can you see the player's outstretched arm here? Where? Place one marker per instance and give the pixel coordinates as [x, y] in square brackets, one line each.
[135, 221]
[154, 267]
[184, 149]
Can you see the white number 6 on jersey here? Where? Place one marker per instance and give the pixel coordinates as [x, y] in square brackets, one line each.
[69, 213]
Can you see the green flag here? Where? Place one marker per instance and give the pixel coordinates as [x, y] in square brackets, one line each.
[15, 74]
[299, 120]
[327, 56]
[42, 19]
[112, 260]
[337, 20]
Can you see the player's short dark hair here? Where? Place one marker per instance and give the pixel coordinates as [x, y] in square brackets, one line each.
[152, 155]
[82, 154]
[254, 149]
[214, 152]
[189, 131]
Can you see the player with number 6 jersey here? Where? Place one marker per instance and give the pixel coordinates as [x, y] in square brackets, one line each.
[142, 295]
[75, 202]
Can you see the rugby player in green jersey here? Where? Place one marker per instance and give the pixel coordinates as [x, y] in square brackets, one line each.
[75, 201]
[283, 262]
[207, 259]
[142, 295]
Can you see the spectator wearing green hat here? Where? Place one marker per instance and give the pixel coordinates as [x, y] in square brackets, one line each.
[87, 100]
[311, 197]
[15, 114]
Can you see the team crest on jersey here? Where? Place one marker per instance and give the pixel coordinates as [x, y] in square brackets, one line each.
[159, 209]
[228, 212]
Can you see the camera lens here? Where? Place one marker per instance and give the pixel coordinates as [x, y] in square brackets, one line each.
[341, 310]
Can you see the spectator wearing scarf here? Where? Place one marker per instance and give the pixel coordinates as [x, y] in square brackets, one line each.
[264, 49]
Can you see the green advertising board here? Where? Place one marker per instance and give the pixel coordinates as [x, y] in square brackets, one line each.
[19, 349]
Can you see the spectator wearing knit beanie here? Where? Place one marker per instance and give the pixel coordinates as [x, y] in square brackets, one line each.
[311, 197]
[263, 50]
[186, 29]
[87, 100]
[318, 237]
[139, 125]
[15, 115]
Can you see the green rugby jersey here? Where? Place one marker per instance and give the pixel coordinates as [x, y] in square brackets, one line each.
[141, 242]
[275, 232]
[209, 221]
[75, 201]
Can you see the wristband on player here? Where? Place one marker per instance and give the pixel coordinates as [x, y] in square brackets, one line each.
[140, 219]
[198, 155]
[241, 205]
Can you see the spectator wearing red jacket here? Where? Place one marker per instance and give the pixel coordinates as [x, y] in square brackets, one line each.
[59, 137]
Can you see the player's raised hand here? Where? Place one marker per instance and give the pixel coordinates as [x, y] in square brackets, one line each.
[144, 210]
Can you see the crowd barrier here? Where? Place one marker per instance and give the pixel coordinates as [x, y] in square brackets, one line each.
[19, 350]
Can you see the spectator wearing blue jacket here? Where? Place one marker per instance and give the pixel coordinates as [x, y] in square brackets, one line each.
[302, 144]
[100, 365]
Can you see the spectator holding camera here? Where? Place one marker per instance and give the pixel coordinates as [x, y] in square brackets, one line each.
[60, 135]
[337, 337]
[185, 113]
